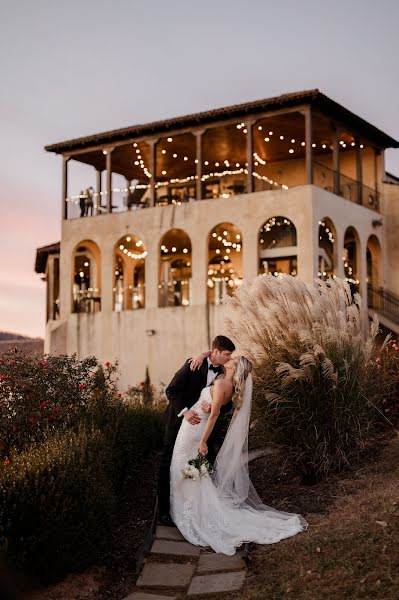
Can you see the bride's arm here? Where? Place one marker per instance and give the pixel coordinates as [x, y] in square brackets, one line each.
[221, 391]
[196, 362]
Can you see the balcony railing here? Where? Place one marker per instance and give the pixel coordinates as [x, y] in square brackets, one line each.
[344, 186]
[384, 302]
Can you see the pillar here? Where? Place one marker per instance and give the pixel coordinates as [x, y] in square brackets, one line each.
[198, 141]
[199, 268]
[339, 270]
[99, 190]
[309, 147]
[359, 172]
[64, 205]
[152, 274]
[250, 158]
[153, 170]
[109, 179]
[336, 165]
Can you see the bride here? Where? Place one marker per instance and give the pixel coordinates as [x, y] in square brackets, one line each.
[223, 510]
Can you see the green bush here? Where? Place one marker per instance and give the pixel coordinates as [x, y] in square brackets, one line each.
[313, 374]
[60, 477]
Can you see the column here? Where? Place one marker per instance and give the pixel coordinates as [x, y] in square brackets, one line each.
[359, 172]
[153, 169]
[64, 205]
[250, 250]
[250, 158]
[199, 268]
[336, 166]
[109, 179]
[198, 141]
[361, 259]
[309, 147]
[97, 204]
[152, 274]
[339, 270]
[107, 278]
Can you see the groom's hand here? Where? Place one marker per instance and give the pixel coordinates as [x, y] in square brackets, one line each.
[192, 417]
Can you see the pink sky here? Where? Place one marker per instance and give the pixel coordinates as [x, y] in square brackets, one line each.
[71, 69]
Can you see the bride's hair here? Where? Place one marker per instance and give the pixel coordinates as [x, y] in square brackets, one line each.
[243, 368]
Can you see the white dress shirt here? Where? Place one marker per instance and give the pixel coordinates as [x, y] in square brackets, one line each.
[210, 377]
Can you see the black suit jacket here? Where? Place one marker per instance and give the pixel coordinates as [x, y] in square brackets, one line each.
[184, 391]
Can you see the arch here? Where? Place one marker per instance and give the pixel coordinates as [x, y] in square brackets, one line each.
[352, 258]
[175, 269]
[224, 261]
[86, 277]
[327, 249]
[129, 273]
[374, 265]
[277, 247]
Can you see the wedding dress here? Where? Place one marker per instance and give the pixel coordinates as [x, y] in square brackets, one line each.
[223, 510]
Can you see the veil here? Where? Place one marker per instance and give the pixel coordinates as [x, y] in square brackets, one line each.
[231, 474]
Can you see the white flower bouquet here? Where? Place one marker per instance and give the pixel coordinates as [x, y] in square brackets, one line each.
[197, 467]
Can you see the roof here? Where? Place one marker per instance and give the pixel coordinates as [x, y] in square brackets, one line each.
[42, 255]
[390, 178]
[313, 97]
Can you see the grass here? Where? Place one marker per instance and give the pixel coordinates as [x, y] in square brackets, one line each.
[351, 549]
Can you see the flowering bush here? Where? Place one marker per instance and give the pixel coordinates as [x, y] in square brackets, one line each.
[39, 396]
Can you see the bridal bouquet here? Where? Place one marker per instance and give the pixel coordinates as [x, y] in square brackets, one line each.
[197, 468]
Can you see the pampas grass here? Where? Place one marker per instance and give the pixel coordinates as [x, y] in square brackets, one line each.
[310, 355]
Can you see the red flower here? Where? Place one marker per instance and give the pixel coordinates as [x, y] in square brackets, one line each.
[13, 362]
[2, 377]
[119, 395]
[43, 404]
[6, 461]
[107, 364]
[44, 363]
[141, 383]
[82, 386]
[57, 409]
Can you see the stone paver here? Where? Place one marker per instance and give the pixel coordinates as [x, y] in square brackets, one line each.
[220, 562]
[144, 596]
[177, 548]
[168, 533]
[220, 582]
[171, 575]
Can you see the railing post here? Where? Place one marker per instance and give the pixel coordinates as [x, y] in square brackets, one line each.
[359, 172]
[64, 205]
[198, 144]
[153, 169]
[336, 165]
[250, 158]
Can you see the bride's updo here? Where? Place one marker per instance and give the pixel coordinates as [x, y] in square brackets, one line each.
[242, 370]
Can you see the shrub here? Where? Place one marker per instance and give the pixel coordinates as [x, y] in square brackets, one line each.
[312, 381]
[57, 499]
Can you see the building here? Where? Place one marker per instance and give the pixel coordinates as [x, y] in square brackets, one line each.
[293, 184]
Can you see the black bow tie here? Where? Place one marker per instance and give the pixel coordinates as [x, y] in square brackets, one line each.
[213, 368]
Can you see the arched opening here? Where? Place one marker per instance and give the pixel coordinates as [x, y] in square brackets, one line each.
[224, 261]
[277, 247]
[327, 259]
[352, 258]
[175, 269]
[374, 278]
[86, 283]
[129, 273]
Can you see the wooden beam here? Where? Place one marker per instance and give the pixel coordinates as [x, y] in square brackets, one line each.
[99, 190]
[198, 142]
[359, 172]
[250, 158]
[153, 169]
[109, 179]
[64, 193]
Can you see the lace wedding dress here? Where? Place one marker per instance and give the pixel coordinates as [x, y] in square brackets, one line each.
[223, 510]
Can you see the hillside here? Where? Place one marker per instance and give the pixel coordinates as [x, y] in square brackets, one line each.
[10, 340]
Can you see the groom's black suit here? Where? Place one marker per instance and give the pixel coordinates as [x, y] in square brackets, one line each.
[183, 391]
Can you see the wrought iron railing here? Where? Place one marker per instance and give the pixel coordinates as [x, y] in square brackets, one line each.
[384, 302]
[344, 186]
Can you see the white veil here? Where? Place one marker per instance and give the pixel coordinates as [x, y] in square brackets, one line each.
[231, 475]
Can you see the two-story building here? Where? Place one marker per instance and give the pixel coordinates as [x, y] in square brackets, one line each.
[293, 184]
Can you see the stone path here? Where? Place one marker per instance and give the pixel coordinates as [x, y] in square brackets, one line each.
[173, 566]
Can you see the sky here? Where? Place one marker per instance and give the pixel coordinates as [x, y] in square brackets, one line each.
[69, 69]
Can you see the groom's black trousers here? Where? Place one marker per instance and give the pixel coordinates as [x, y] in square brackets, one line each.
[171, 431]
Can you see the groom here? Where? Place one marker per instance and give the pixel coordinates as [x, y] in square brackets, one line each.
[182, 393]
